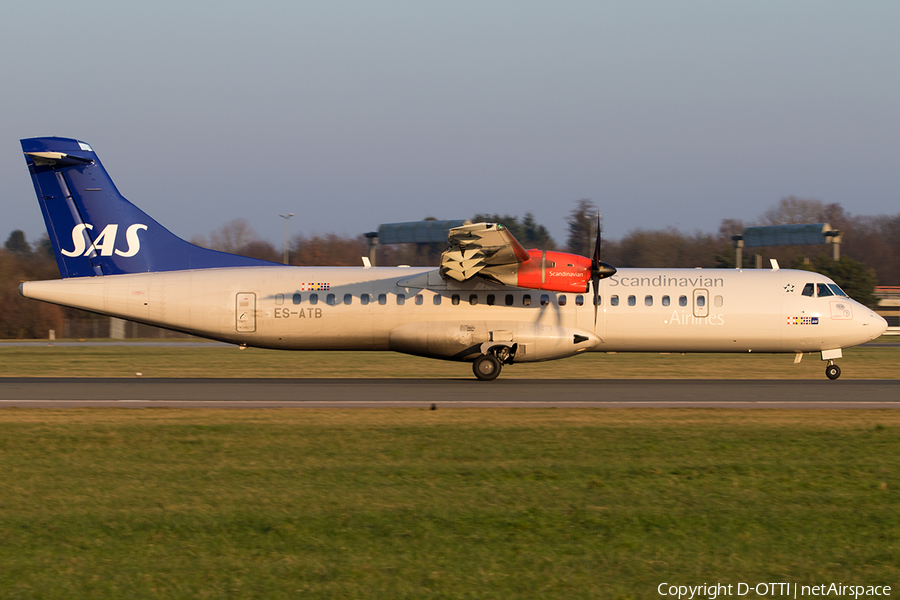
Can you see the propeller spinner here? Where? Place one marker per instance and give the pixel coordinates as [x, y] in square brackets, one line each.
[599, 270]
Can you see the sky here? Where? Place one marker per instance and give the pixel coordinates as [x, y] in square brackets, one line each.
[352, 114]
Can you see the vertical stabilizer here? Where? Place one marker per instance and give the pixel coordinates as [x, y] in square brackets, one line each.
[94, 230]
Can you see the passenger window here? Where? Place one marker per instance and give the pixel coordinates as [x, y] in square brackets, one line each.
[348, 298]
[473, 299]
[614, 300]
[718, 300]
[665, 301]
[824, 291]
[437, 300]
[545, 299]
[455, 299]
[401, 299]
[701, 301]
[509, 300]
[526, 300]
[329, 299]
[809, 290]
[382, 299]
[562, 300]
[491, 299]
[648, 300]
[419, 299]
[599, 300]
[313, 298]
[364, 299]
[279, 299]
[632, 300]
[297, 299]
[682, 301]
[579, 300]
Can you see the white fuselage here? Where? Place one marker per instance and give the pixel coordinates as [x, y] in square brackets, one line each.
[414, 310]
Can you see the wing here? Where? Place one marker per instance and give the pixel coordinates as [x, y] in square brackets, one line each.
[488, 249]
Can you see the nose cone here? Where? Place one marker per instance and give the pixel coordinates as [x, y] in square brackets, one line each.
[878, 324]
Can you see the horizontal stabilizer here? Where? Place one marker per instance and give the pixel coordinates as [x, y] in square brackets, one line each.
[50, 159]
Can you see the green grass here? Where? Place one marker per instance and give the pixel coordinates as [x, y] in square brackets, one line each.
[126, 361]
[477, 503]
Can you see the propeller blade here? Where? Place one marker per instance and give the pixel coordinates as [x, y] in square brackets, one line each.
[599, 270]
[595, 273]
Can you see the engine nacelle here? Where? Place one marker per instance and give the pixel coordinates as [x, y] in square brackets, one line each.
[466, 340]
[555, 271]
[551, 271]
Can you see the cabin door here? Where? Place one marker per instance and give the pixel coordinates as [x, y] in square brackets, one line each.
[701, 304]
[245, 312]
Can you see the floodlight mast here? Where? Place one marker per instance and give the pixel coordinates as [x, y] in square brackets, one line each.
[286, 217]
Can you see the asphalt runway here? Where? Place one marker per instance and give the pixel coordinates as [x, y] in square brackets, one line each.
[459, 393]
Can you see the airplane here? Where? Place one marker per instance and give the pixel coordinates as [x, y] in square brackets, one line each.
[491, 302]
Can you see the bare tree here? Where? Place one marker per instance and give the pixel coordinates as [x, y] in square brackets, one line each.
[792, 210]
[233, 236]
[328, 250]
[663, 249]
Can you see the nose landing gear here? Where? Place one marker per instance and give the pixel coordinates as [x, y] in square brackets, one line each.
[832, 371]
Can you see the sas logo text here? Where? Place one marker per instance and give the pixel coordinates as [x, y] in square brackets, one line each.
[105, 243]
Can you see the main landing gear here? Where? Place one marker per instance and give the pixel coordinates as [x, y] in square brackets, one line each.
[832, 371]
[487, 366]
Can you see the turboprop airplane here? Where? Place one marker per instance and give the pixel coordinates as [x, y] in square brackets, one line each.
[491, 302]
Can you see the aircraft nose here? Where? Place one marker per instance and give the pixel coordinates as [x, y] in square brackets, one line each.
[878, 324]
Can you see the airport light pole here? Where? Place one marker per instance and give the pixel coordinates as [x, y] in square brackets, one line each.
[286, 217]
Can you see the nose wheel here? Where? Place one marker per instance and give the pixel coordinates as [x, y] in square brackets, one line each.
[486, 367]
[832, 371]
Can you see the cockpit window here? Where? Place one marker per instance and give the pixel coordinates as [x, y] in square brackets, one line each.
[837, 290]
[824, 291]
[809, 290]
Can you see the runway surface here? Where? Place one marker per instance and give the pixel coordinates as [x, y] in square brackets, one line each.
[461, 393]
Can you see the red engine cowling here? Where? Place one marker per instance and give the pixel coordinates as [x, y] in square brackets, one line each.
[555, 272]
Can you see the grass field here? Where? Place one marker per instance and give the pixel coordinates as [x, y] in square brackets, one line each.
[410, 503]
[507, 503]
[217, 361]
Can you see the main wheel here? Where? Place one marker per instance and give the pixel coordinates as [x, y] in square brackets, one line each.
[486, 367]
[832, 371]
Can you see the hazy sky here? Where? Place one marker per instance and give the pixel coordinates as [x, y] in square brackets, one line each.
[353, 114]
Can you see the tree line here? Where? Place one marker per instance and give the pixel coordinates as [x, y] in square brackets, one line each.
[870, 253]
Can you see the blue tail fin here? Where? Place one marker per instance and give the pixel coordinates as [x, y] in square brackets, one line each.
[94, 230]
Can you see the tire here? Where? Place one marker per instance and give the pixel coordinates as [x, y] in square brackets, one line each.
[832, 372]
[486, 367]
